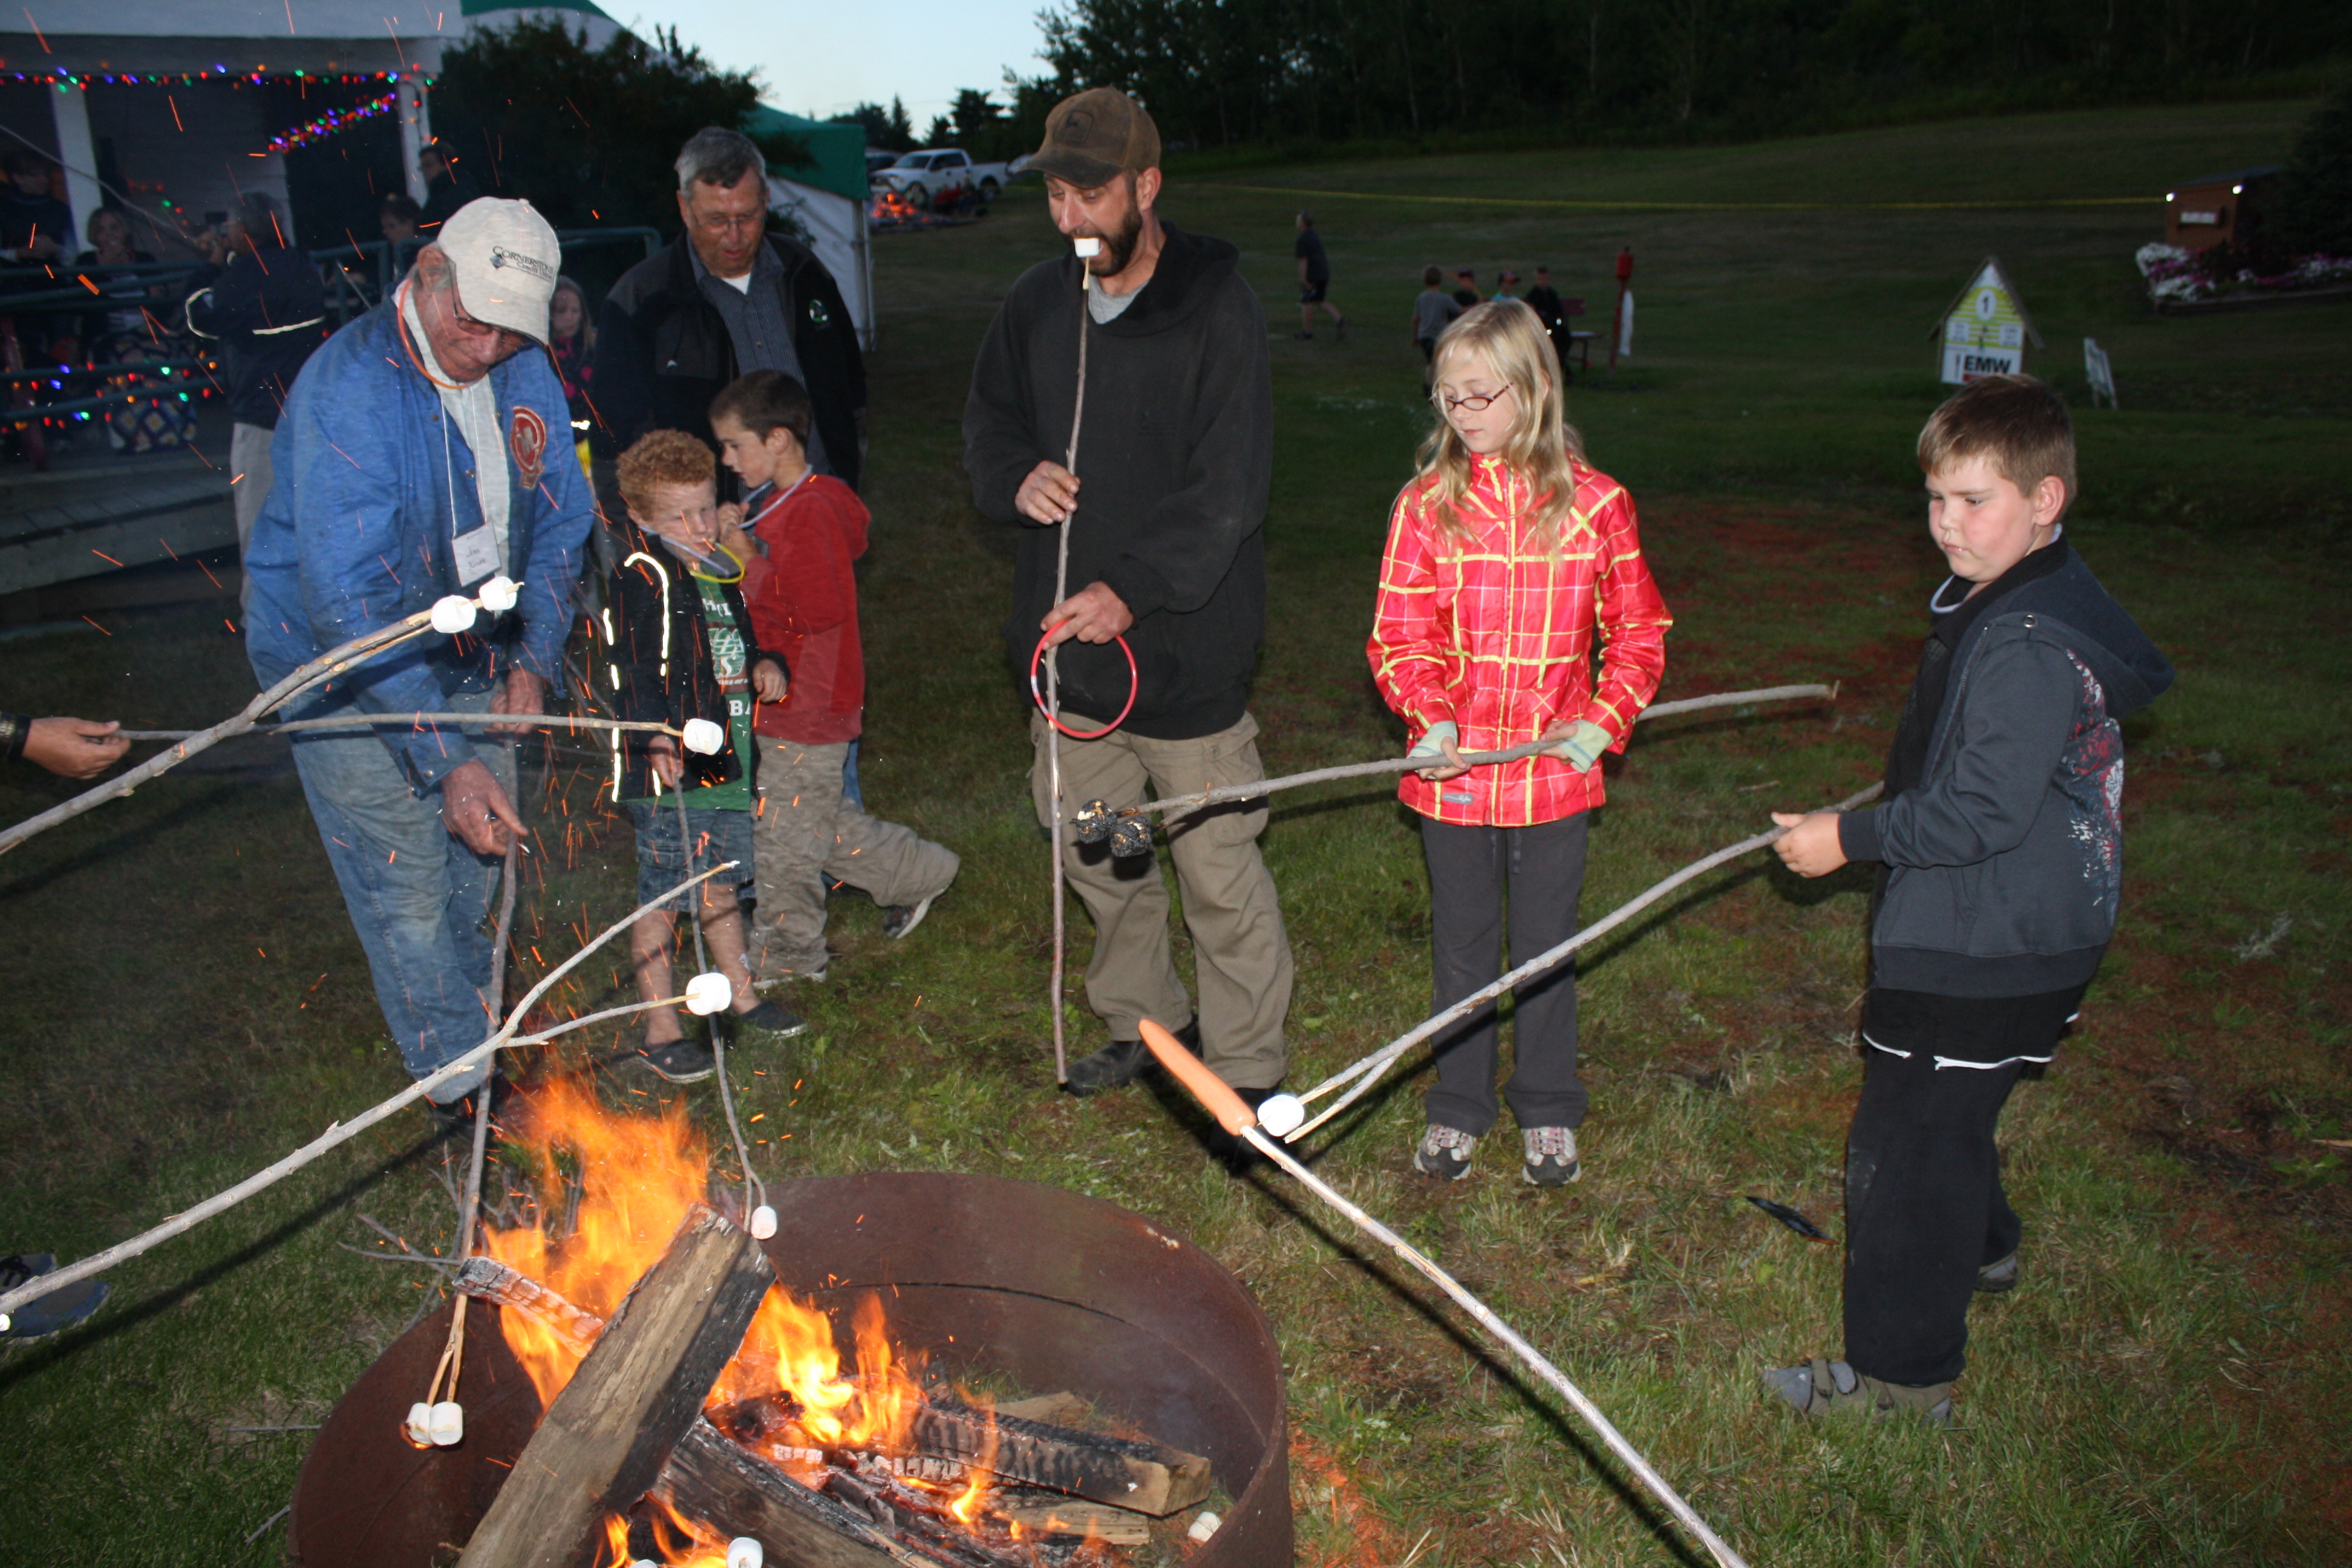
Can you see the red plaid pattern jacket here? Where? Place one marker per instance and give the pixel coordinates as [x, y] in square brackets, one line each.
[1497, 636]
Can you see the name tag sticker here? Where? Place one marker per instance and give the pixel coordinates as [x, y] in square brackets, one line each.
[477, 554]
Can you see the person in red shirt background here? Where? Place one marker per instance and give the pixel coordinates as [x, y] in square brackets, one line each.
[803, 598]
[1507, 554]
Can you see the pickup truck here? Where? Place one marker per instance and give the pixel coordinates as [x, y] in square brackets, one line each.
[918, 177]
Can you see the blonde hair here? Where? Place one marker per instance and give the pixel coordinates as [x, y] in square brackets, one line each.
[1511, 339]
[662, 458]
[2018, 422]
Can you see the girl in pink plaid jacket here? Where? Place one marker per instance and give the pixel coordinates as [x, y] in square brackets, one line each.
[1505, 554]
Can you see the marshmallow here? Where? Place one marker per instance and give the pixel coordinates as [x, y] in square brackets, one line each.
[763, 1223]
[449, 1426]
[1281, 1114]
[745, 1552]
[1088, 248]
[453, 615]
[704, 736]
[1204, 1526]
[707, 993]
[499, 595]
[418, 1427]
[4, 1321]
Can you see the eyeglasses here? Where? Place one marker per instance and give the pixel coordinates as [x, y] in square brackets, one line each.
[468, 324]
[1475, 404]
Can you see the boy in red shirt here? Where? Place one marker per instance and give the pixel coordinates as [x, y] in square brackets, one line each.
[803, 603]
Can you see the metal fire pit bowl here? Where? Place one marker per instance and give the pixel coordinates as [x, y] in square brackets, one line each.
[1049, 1288]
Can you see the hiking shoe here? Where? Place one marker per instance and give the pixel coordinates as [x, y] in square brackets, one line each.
[1443, 1153]
[900, 919]
[1551, 1159]
[1121, 1061]
[772, 1018]
[679, 1060]
[1821, 1387]
[60, 1309]
[1995, 1278]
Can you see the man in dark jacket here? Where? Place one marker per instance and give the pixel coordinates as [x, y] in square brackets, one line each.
[725, 300]
[264, 302]
[445, 190]
[1165, 551]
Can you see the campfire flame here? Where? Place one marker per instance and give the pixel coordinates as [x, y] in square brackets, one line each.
[623, 1183]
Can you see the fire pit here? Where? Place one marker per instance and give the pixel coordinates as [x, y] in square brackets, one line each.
[1034, 1285]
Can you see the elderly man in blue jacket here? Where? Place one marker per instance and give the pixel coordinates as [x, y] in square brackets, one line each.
[422, 452]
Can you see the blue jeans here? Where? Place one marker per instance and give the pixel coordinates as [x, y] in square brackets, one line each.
[417, 897]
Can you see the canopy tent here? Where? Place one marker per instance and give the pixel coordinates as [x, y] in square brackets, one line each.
[827, 197]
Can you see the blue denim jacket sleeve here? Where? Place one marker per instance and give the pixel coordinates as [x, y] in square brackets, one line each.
[560, 512]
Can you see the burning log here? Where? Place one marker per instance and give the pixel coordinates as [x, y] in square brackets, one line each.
[491, 1280]
[713, 1479]
[603, 1441]
[1141, 1477]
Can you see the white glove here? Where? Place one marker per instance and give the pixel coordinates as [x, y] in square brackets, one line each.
[1433, 741]
[1583, 748]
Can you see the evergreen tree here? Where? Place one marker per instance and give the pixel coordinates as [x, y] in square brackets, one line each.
[2313, 216]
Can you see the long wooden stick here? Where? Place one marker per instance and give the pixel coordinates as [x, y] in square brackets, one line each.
[1234, 1115]
[1367, 1070]
[1177, 804]
[343, 1133]
[409, 721]
[1054, 687]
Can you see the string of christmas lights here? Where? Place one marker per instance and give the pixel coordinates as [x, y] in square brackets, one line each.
[183, 78]
[332, 121]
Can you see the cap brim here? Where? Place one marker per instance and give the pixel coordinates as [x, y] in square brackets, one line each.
[1074, 168]
[504, 314]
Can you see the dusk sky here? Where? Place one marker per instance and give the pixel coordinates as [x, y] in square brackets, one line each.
[825, 58]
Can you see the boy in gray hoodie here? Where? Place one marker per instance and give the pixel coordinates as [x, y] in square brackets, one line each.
[2000, 844]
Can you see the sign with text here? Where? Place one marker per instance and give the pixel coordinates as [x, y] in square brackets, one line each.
[1986, 331]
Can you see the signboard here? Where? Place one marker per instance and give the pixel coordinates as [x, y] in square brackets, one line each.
[1986, 331]
[2100, 373]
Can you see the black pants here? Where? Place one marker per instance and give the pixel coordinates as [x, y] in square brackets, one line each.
[1471, 871]
[1924, 1205]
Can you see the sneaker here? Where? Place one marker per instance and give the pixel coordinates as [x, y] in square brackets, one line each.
[771, 1018]
[1821, 1387]
[1340, 331]
[1551, 1159]
[900, 919]
[1121, 1062]
[60, 1309]
[679, 1060]
[1443, 1153]
[1995, 1278]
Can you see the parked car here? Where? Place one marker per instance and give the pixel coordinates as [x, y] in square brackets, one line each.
[917, 178]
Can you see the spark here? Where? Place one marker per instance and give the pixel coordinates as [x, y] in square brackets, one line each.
[102, 555]
[36, 32]
[175, 113]
[95, 624]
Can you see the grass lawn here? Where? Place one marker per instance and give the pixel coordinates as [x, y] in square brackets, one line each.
[184, 999]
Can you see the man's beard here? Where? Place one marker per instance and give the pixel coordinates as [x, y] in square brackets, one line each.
[1119, 246]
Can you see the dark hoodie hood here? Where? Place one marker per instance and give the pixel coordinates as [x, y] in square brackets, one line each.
[1191, 266]
[2134, 671]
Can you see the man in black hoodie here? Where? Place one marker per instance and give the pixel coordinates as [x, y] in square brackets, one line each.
[1167, 553]
[2000, 843]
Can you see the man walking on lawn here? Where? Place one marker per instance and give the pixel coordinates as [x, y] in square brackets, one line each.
[1168, 540]
[1314, 281]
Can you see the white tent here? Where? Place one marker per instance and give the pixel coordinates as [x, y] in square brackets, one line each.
[836, 230]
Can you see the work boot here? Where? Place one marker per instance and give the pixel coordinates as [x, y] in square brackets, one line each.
[1119, 1063]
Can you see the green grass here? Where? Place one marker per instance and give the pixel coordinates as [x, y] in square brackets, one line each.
[183, 998]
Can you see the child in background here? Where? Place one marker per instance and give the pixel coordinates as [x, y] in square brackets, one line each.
[809, 528]
[2000, 844]
[571, 344]
[1432, 311]
[681, 648]
[1505, 554]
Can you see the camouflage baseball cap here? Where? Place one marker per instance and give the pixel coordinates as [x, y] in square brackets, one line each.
[1096, 135]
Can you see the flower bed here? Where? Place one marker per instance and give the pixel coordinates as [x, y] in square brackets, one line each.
[2221, 276]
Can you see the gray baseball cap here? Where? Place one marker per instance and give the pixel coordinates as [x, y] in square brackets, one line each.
[505, 259]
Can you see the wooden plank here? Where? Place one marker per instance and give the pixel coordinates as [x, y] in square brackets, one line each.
[606, 1436]
[715, 1482]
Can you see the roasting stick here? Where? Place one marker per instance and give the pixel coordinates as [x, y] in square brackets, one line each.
[1086, 251]
[762, 1219]
[1367, 1072]
[452, 1354]
[344, 1132]
[1233, 1114]
[386, 720]
[1176, 804]
[451, 615]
